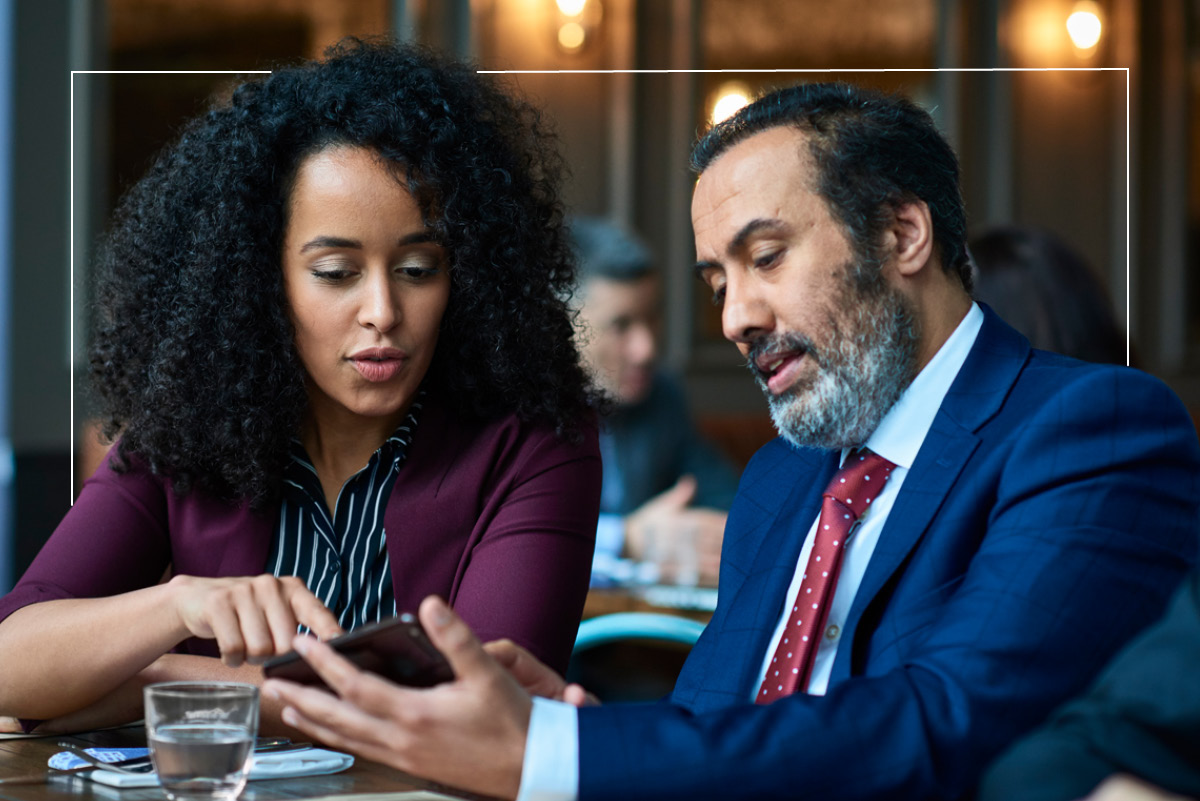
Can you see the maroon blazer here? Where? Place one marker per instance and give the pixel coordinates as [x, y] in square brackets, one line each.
[498, 518]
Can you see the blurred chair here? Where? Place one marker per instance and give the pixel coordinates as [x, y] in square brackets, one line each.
[631, 656]
[637, 626]
[1048, 292]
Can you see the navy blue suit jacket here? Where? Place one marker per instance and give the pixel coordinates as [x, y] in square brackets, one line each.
[1050, 512]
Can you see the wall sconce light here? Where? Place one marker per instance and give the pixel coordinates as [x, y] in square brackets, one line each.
[577, 23]
[727, 99]
[1084, 26]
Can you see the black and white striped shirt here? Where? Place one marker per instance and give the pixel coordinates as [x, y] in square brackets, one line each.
[343, 560]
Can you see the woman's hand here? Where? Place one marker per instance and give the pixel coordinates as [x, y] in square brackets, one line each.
[65, 656]
[251, 618]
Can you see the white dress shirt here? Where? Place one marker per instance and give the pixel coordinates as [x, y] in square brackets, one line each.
[551, 768]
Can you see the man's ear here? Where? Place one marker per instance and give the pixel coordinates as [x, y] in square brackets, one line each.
[911, 237]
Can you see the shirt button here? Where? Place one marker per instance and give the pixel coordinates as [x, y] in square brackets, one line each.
[832, 632]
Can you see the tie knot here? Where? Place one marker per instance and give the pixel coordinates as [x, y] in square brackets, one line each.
[860, 480]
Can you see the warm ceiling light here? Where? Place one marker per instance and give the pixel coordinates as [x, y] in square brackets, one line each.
[571, 8]
[576, 24]
[571, 36]
[1084, 25]
[730, 97]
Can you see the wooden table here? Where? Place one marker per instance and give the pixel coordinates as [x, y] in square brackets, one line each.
[693, 603]
[23, 757]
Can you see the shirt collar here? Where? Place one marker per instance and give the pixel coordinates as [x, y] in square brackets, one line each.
[903, 428]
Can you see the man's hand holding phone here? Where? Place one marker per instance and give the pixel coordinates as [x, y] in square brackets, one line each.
[397, 649]
[468, 733]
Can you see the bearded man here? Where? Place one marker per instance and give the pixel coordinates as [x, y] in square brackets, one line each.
[952, 535]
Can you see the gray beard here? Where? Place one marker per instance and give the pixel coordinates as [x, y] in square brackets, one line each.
[862, 369]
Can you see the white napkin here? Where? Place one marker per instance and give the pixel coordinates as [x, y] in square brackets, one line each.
[283, 765]
[313, 762]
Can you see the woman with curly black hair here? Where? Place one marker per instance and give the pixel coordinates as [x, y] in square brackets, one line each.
[331, 341]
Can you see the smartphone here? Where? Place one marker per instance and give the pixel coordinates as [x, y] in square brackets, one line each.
[396, 648]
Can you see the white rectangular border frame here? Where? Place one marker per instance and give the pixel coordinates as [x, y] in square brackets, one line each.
[71, 190]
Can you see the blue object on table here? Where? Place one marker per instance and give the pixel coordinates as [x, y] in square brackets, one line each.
[65, 760]
[636, 626]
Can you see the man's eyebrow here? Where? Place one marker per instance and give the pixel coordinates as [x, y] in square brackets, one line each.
[739, 241]
[750, 229]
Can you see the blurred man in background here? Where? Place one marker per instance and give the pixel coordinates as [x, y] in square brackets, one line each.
[665, 490]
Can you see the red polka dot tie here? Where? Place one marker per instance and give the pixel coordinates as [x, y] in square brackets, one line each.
[848, 496]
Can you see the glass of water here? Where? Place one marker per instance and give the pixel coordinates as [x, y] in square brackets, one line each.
[201, 735]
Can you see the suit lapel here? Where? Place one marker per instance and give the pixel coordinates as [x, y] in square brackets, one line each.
[436, 445]
[978, 392]
[945, 452]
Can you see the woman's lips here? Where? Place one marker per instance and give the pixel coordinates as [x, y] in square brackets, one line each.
[377, 371]
[378, 364]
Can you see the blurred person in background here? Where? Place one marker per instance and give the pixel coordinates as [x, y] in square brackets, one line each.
[666, 490]
[1046, 290]
[324, 405]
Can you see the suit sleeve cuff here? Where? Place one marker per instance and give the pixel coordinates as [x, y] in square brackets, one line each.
[550, 771]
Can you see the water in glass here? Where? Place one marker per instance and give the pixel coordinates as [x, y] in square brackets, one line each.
[201, 736]
[201, 761]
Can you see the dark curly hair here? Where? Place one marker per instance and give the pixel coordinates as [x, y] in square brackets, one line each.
[192, 354]
[873, 152]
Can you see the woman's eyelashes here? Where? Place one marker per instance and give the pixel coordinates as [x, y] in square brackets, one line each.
[410, 268]
[420, 268]
[331, 275]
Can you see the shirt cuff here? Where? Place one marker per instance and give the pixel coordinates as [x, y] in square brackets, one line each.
[550, 771]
